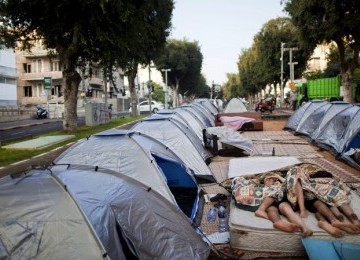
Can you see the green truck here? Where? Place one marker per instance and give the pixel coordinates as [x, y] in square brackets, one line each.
[325, 89]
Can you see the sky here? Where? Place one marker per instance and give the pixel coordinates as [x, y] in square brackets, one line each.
[222, 28]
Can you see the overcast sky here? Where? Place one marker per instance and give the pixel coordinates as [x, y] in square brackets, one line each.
[223, 28]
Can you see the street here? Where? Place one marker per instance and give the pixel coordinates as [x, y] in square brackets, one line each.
[26, 129]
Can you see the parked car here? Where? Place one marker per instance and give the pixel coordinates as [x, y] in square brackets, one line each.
[145, 107]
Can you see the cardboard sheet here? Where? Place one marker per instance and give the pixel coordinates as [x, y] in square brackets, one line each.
[253, 165]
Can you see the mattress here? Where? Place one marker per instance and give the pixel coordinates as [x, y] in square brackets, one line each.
[249, 232]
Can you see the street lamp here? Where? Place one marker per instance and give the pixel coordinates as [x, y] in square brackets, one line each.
[166, 86]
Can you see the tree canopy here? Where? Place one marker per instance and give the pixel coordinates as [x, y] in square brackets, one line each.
[261, 63]
[184, 58]
[107, 32]
[330, 21]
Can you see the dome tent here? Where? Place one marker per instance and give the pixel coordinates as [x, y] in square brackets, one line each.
[235, 105]
[341, 134]
[302, 113]
[39, 220]
[137, 155]
[130, 218]
[174, 135]
[319, 117]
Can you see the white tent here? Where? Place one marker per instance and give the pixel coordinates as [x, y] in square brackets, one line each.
[39, 220]
[318, 118]
[341, 134]
[302, 113]
[207, 104]
[83, 212]
[235, 105]
[173, 134]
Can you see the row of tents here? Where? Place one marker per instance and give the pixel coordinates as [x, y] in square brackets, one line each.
[333, 126]
[119, 194]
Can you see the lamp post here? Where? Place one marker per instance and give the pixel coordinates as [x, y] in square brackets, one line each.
[282, 74]
[166, 86]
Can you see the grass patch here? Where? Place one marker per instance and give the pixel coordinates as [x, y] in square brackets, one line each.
[11, 156]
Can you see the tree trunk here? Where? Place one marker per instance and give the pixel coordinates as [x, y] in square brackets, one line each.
[133, 95]
[346, 80]
[71, 79]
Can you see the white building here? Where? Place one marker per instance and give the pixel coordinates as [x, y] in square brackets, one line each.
[8, 91]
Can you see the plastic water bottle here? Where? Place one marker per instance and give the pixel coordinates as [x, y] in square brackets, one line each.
[211, 216]
[223, 225]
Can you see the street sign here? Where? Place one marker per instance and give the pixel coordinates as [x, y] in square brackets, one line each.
[217, 88]
[47, 83]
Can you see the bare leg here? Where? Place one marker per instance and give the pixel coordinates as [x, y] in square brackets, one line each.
[287, 211]
[261, 211]
[336, 219]
[300, 199]
[350, 214]
[322, 222]
[274, 216]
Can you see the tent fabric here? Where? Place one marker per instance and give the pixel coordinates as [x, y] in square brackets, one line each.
[205, 111]
[341, 134]
[167, 131]
[181, 129]
[131, 219]
[335, 107]
[118, 152]
[193, 121]
[200, 113]
[207, 104]
[314, 120]
[235, 105]
[300, 114]
[39, 220]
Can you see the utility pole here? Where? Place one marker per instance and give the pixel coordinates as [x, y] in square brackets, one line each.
[282, 74]
[166, 86]
[149, 87]
[291, 63]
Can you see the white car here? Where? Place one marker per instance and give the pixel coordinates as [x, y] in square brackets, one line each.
[145, 107]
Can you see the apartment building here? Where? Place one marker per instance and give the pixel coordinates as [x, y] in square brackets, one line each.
[8, 96]
[40, 79]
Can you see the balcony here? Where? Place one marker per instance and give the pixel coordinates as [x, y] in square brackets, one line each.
[35, 76]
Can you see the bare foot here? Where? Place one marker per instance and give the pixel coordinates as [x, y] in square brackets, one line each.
[332, 230]
[261, 214]
[306, 232]
[304, 214]
[286, 226]
[347, 227]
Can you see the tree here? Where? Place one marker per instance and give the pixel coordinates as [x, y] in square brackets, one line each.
[261, 65]
[331, 21]
[232, 87]
[185, 60]
[106, 32]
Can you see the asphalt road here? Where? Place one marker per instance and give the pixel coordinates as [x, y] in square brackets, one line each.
[26, 129]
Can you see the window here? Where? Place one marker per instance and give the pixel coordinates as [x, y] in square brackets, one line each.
[56, 91]
[27, 91]
[39, 67]
[55, 66]
[27, 67]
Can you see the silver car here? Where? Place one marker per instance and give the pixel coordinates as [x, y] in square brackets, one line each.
[145, 107]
